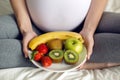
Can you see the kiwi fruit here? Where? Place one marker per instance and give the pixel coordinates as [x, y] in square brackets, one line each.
[55, 44]
[71, 57]
[56, 55]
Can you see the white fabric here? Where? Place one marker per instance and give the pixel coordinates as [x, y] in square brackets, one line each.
[54, 15]
[37, 74]
[113, 6]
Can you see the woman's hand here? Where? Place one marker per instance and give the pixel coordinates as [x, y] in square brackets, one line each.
[88, 41]
[91, 22]
[26, 38]
[24, 22]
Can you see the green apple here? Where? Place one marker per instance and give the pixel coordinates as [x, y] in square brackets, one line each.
[74, 44]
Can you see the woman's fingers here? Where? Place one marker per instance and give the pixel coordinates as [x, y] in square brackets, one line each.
[27, 37]
[25, 49]
[90, 49]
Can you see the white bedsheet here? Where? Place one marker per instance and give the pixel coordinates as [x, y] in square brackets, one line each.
[37, 74]
[113, 6]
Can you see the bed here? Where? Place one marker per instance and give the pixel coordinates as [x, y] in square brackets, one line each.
[27, 73]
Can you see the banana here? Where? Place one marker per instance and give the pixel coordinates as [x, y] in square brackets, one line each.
[53, 35]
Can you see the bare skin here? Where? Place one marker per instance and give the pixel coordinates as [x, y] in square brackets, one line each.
[24, 23]
[94, 15]
[89, 66]
[91, 22]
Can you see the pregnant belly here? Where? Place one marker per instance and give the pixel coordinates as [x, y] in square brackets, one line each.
[55, 15]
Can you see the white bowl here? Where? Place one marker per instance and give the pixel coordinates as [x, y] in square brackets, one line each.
[62, 67]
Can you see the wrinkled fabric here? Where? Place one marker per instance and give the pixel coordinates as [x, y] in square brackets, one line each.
[38, 74]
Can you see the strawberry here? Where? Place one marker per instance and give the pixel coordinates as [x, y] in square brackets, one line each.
[36, 55]
[42, 48]
[46, 61]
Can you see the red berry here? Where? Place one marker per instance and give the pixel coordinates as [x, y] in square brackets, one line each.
[37, 56]
[42, 48]
[46, 61]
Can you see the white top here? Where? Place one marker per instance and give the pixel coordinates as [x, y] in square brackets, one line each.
[55, 15]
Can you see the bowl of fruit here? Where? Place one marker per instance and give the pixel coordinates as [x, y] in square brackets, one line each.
[58, 51]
